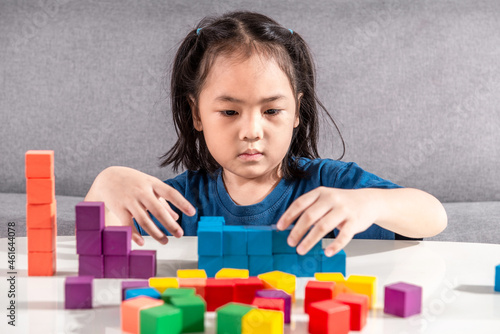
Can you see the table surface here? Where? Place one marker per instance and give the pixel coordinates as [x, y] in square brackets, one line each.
[457, 281]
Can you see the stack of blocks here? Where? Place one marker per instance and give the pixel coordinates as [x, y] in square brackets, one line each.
[41, 221]
[105, 251]
[259, 249]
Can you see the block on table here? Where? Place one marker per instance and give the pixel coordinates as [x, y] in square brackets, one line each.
[229, 317]
[142, 263]
[116, 266]
[245, 289]
[41, 239]
[130, 312]
[193, 312]
[234, 240]
[288, 263]
[78, 292]
[232, 273]
[210, 241]
[211, 221]
[41, 263]
[40, 191]
[258, 321]
[41, 216]
[89, 216]
[116, 240]
[39, 164]
[163, 283]
[497, 278]
[170, 293]
[89, 242]
[317, 291]
[358, 305]
[281, 295]
[137, 292]
[280, 280]
[366, 285]
[161, 319]
[336, 277]
[259, 264]
[133, 284]
[211, 264]
[403, 299]
[191, 273]
[91, 265]
[280, 243]
[235, 261]
[335, 263]
[270, 304]
[260, 240]
[197, 283]
[329, 317]
[309, 264]
[218, 292]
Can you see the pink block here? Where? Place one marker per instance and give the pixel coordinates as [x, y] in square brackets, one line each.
[117, 240]
[142, 264]
[116, 266]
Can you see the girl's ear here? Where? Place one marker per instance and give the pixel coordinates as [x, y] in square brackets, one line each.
[195, 114]
[297, 118]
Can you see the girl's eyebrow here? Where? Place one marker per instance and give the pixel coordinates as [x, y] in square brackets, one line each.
[227, 98]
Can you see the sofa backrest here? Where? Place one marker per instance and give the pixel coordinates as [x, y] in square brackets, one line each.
[413, 85]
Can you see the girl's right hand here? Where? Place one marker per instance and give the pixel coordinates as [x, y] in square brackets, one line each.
[128, 193]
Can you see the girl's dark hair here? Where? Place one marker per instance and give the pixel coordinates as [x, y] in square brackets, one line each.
[242, 33]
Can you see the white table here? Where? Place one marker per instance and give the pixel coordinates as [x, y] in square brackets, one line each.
[457, 281]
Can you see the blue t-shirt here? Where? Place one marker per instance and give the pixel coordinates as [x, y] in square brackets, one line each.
[208, 195]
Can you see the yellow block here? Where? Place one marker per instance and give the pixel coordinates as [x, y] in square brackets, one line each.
[191, 273]
[232, 273]
[366, 285]
[163, 283]
[329, 277]
[260, 321]
[279, 280]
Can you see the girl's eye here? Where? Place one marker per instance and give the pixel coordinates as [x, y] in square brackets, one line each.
[273, 112]
[228, 112]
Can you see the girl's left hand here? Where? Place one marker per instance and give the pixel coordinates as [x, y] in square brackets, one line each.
[349, 210]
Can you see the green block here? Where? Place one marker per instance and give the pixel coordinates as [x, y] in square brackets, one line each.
[165, 319]
[177, 292]
[193, 310]
[229, 317]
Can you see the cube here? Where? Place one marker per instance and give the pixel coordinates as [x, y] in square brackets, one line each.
[170, 293]
[40, 191]
[270, 304]
[211, 264]
[317, 291]
[89, 242]
[235, 261]
[280, 243]
[245, 289]
[137, 292]
[260, 240]
[336, 263]
[130, 312]
[403, 299]
[116, 266]
[161, 319]
[497, 278]
[234, 240]
[41, 263]
[163, 283]
[91, 265]
[133, 284]
[229, 317]
[142, 263]
[116, 240]
[210, 241]
[258, 321]
[39, 164]
[78, 292]
[288, 263]
[89, 216]
[191, 273]
[329, 317]
[193, 312]
[279, 280]
[41, 240]
[330, 277]
[259, 264]
[211, 221]
[278, 295]
[197, 283]
[41, 216]
[308, 264]
[232, 273]
[358, 305]
[218, 292]
[366, 285]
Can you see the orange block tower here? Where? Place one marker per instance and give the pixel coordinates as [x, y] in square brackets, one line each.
[41, 221]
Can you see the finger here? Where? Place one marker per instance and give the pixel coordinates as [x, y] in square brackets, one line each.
[345, 235]
[173, 196]
[324, 226]
[167, 207]
[143, 219]
[136, 236]
[308, 218]
[163, 216]
[296, 208]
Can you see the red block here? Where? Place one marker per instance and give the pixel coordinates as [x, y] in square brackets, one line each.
[40, 191]
[317, 291]
[270, 303]
[245, 288]
[195, 282]
[41, 239]
[359, 308]
[218, 292]
[329, 317]
[41, 215]
[41, 263]
[39, 164]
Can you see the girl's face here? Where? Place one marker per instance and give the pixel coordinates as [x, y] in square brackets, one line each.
[247, 113]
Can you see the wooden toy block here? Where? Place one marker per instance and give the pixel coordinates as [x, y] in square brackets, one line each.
[116, 266]
[133, 284]
[193, 312]
[163, 319]
[91, 265]
[142, 263]
[191, 273]
[163, 283]
[358, 305]
[286, 262]
[232, 273]
[211, 221]
[40, 191]
[279, 280]
[218, 292]
[259, 264]
[308, 264]
[89, 242]
[403, 299]
[317, 291]
[170, 293]
[234, 240]
[41, 263]
[39, 164]
[197, 283]
[235, 261]
[329, 317]
[211, 264]
[210, 240]
[89, 216]
[78, 292]
[497, 278]
[280, 244]
[260, 240]
[270, 304]
[116, 240]
[366, 285]
[130, 312]
[278, 295]
[336, 263]
[41, 240]
[245, 289]
[258, 321]
[41, 215]
[137, 292]
[229, 317]
[330, 277]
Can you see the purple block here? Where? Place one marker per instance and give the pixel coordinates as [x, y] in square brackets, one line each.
[403, 299]
[142, 264]
[278, 294]
[91, 265]
[89, 242]
[133, 284]
[89, 216]
[116, 266]
[117, 240]
[78, 292]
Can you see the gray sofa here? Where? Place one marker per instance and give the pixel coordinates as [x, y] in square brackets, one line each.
[413, 85]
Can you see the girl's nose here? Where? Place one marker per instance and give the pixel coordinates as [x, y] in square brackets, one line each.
[251, 127]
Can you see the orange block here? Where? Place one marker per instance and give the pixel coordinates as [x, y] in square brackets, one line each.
[39, 164]
[195, 282]
[41, 215]
[41, 263]
[131, 312]
[41, 239]
[40, 191]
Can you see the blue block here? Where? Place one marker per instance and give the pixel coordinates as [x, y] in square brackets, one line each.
[309, 264]
[260, 240]
[213, 220]
[211, 264]
[235, 261]
[288, 263]
[234, 240]
[334, 264]
[280, 245]
[259, 264]
[317, 249]
[210, 241]
[136, 292]
[497, 278]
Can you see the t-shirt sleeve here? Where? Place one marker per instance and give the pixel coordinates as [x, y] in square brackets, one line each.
[351, 176]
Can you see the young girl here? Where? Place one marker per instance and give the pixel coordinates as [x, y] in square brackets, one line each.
[245, 111]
